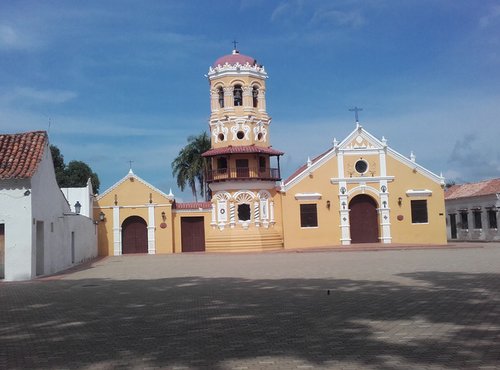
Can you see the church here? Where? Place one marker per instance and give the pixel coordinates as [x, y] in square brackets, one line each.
[358, 191]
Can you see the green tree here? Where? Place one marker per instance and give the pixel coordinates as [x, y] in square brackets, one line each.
[75, 174]
[189, 167]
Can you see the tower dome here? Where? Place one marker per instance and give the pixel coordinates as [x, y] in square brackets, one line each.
[234, 58]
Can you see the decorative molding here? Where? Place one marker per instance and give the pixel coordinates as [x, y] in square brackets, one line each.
[418, 193]
[308, 196]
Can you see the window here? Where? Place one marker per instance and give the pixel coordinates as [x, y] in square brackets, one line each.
[221, 165]
[419, 212]
[464, 220]
[492, 219]
[244, 212]
[255, 96]
[308, 215]
[220, 92]
[477, 219]
[361, 166]
[238, 96]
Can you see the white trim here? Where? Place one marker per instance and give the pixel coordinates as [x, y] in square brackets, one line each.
[129, 175]
[151, 230]
[361, 179]
[308, 196]
[418, 193]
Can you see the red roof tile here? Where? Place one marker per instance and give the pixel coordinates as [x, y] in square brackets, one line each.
[242, 150]
[486, 187]
[193, 205]
[20, 154]
[304, 167]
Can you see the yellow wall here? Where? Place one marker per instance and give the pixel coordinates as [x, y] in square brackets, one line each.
[434, 232]
[328, 231]
[133, 199]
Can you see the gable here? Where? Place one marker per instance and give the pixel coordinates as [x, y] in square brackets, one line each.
[132, 190]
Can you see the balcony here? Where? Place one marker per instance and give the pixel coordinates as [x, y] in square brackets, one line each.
[243, 173]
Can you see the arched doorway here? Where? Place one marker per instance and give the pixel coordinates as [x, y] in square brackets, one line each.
[363, 219]
[134, 235]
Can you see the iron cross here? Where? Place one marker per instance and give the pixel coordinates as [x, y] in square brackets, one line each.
[234, 43]
[130, 162]
[356, 110]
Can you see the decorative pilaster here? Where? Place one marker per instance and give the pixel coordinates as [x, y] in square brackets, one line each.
[247, 98]
[213, 223]
[228, 98]
[256, 213]
[117, 232]
[151, 229]
[271, 213]
[231, 214]
[345, 227]
[261, 97]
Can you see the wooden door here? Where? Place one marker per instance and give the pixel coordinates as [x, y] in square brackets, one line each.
[192, 234]
[363, 219]
[134, 235]
[242, 168]
[2, 251]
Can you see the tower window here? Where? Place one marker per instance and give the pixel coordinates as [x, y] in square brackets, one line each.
[221, 137]
[240, 135]
[238, 96]
[255, 96]
[222, 164]
[244, 212]
[220, 92]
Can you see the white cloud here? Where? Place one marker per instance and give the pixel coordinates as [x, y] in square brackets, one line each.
[339, 18]
[491, 18]
[13, 39]
[41, 96]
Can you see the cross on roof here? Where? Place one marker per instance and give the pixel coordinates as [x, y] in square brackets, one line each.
[356, 110]
[234, 43]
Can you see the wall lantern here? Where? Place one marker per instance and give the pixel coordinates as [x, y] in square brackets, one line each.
[383, 188]
[400, 201]
[343, 205]
[328, 204]
[384, 204]
[102, 216]
[78, 207]
[163, 216]
[342, 190]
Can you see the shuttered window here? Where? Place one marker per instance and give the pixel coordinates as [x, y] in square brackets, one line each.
[308, 215]
[419, 212]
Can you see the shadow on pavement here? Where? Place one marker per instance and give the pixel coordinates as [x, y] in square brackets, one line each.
[444, 319]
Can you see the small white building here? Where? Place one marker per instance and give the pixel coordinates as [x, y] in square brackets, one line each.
[82, 197]
[39, 234]
[472, 211]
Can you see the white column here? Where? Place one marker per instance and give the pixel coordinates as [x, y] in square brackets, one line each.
[271, 213]
[345, 227]
[214, 220]
[231, 214]
[117, 232]
[151, 229]
[256, 213]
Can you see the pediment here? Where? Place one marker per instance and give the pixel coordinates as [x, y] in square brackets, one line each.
[360, 139]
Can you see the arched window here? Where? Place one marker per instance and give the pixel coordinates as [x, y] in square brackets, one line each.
[255, 96]
[220, 92]
[238, 95]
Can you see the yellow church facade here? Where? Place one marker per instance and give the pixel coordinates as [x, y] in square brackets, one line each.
[358, 191]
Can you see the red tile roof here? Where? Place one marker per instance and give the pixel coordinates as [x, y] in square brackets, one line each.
[246, 149]
[304, 167]
[486, 187]
[20, 154]
[193, 205]
[234, 58]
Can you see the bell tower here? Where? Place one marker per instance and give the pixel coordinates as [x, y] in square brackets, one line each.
[243, 167]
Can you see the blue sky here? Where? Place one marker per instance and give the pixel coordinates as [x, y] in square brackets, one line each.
[124, 80]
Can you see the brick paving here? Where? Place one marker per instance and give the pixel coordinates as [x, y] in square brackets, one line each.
[408, 308]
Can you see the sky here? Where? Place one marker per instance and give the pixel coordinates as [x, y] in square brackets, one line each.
[119, 81]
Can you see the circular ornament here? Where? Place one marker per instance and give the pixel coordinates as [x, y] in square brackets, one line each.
[163, 225]
[400, 217]
[361, 166]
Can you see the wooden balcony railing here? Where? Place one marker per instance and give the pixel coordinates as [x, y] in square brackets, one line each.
[243, 173]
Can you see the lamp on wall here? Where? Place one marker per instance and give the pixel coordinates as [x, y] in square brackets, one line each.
[342, 190]
[400, 201]
[78, 207]
[102, 216]
[328, 204]
[163, 216]
[383, 188]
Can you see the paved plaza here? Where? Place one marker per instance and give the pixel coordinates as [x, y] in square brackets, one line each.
[397, 309]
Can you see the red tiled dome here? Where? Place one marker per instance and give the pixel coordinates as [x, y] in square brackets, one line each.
[234, 58]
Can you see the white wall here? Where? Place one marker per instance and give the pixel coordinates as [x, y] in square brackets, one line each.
[46, 206]
[471, 233]
[83, 195]
[15, 214]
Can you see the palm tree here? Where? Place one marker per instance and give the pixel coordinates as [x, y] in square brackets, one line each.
[189, 167]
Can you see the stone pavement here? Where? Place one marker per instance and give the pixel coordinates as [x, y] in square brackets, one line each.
[396, 309]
